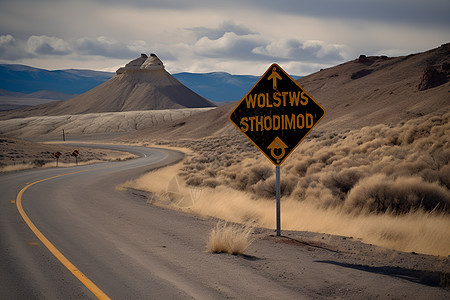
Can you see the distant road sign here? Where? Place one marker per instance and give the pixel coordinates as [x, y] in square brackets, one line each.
[276, 114]
[57, 154]
[75, 153]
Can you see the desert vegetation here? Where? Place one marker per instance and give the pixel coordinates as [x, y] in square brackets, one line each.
[387, 185]
[230, 238]
[372, 170]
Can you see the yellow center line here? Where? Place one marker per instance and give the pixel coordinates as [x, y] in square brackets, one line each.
[86, 281]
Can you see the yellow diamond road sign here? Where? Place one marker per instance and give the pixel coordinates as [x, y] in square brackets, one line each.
[276, 114]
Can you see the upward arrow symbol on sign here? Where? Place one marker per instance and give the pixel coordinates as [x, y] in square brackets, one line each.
[274, 76]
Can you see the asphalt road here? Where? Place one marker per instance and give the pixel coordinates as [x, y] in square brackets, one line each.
[132, 250]
[127, 248]
[85, 218]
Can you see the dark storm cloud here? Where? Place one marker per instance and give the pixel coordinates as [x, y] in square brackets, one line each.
[409, 11]
[406, 11]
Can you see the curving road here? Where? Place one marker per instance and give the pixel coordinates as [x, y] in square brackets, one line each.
[131, 250]
[80, 213]
[128, 249]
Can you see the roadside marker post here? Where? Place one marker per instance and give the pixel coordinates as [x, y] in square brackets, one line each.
[57, 155]
[76, 153]
[276, 115]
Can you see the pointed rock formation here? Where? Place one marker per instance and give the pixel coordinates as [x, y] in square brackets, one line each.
[143, 84]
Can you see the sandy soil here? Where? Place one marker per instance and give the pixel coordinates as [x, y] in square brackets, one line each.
[269, 250]
[351, 253]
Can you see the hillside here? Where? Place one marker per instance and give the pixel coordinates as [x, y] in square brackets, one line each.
[362, 92]
[373, 90]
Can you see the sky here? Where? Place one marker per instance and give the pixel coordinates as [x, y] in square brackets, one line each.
[234, 36]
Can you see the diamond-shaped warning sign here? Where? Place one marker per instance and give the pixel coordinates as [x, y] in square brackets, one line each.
[276, 114]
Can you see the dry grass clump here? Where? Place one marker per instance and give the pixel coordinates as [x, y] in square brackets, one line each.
[230, 238]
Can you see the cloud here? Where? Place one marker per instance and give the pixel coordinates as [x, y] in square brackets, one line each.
[216, 33]
[10, 49]
[308, 50]
[7, 41]
[191, 33]
[230, 45]
[240, 45]
[48, 45]
[107, 47]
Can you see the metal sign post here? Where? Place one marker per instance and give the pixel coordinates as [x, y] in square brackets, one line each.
[278, 194]
[276, 115]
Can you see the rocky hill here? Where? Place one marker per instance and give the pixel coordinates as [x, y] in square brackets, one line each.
[143, 84]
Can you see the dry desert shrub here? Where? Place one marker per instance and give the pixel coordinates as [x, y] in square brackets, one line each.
[413, 153]
[230, 238]
[341, 182]
[267, 188]
[379, 193]
[211, 182]
[334, 169]
[194, 181]
[246, 178]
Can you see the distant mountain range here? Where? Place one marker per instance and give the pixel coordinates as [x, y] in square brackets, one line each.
[28, 82]
[24, 79]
